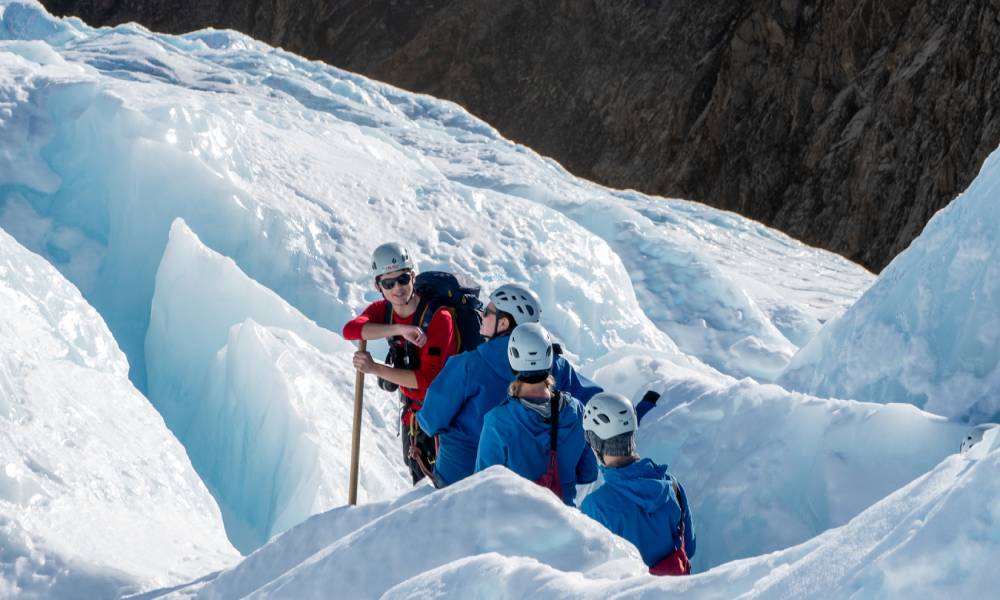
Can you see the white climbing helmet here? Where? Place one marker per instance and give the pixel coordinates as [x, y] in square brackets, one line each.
[390, 257]
[608, 414]
[517, 301]
[529, 349]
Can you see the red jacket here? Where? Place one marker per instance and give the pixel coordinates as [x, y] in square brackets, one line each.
[440, 344]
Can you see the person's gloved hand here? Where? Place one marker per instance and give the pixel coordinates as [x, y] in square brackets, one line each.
[646, 404]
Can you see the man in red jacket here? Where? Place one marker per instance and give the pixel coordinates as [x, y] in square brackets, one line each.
[416, 356]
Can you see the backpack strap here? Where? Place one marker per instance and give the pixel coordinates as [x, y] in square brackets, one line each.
[683, 505]
[554, 422]
[426, 311]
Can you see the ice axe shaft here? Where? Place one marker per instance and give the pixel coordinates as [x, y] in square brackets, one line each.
[359, 398]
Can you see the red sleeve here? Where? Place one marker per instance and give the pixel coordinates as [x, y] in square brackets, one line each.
[375, 313]
[440, 345]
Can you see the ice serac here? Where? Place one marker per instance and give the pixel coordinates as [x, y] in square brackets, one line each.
[94, 491]
[928, 330]
[766, 469]
[491, 512]
[260, 396]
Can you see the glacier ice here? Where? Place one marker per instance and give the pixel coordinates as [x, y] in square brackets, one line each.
[260, 396]
[424, 532]
[215, 200]
[93, 488]
[927, 332]
[294, 170]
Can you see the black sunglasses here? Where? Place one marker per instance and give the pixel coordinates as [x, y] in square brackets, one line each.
[388, 284]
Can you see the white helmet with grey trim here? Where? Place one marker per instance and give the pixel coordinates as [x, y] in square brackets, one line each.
[517, 301]
[529, 349]
[390, 257]
[608, 414]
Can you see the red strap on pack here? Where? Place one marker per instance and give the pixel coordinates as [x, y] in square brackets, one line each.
[550, 479]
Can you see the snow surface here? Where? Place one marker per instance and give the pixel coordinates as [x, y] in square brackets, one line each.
[295, 169]
[928, 332]
[94, 491]
[216, 200]
[361, 558]
[935, 538]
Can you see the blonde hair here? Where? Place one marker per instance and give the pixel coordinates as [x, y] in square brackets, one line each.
[514, 391]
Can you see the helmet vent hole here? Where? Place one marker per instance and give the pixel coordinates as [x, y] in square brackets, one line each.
[515, 353]
[604, 417]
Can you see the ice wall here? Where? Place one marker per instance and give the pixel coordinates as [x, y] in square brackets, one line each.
[928, 331]
[260, 396]
[93, 488]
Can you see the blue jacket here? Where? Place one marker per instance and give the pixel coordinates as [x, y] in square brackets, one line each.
[637, 502]
[518, 438]
[471, 385]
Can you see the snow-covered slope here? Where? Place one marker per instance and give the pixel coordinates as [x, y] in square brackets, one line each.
[928, 332]
[935, 538]
[295, 170]
[93, 488]
[257, 394]
[339, 554]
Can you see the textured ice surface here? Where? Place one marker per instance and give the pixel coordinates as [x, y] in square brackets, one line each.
[928, 331]
[284, 174]
[338, 554]
[96, 497]
[260, 396]
[295, 170]
[934, 538]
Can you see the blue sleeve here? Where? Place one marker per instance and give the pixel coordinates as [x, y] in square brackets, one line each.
[689, 537]
[445, 397]
[642, 408]
[645, 405]
[491, 449]
[575, 384]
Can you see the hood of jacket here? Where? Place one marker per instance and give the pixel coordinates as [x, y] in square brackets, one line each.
[539, 429]
[643, 482]
[494, 354]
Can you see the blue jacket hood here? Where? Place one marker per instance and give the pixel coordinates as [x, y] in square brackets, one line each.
[532, 422]
[494, 353]
[643, 482]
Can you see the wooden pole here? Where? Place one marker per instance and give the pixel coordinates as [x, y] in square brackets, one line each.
[359, 393]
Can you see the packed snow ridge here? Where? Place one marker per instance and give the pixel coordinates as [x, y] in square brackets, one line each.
[207, 204]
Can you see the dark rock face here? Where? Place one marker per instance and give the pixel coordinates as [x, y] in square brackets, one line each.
[846, 123]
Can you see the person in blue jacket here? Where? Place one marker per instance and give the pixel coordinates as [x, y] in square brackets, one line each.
[639, 500]
[473, 383]
[516, 434]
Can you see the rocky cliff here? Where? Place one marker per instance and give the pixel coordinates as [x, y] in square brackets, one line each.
[846, 123]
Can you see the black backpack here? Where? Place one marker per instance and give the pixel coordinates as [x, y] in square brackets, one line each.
[438, 290]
